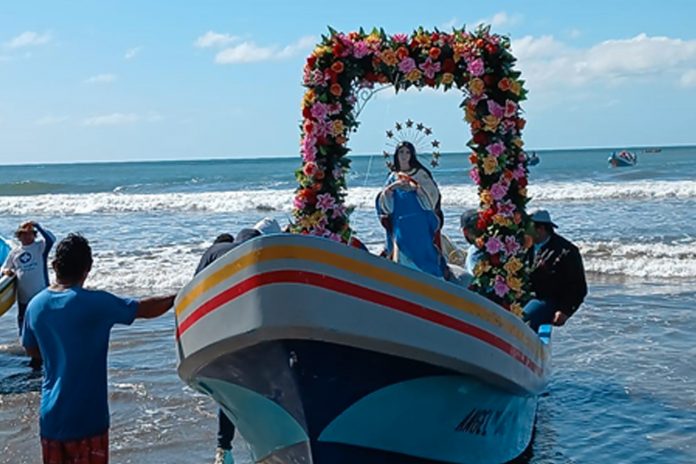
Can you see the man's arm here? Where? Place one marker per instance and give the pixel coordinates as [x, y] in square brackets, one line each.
[154, 307]
[48, 237]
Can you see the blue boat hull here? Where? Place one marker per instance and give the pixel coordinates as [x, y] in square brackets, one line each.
[335, 404]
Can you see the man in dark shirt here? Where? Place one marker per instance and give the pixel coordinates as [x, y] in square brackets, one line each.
[221, 246]
[558, 276]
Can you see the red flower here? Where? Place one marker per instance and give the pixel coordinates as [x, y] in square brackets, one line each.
[480, 43]
[337, 67]
[495, 260]
[310, 169]
[306, 112]
[337, 48]
[435, 37]
[434, 53]
[401, 53]
[336, 90]
[308, 195]
[522, 182]
[448, 65]
[489, 80]
[491, 48]
[311, 61]
[308, 126]
[430, 82]
[521, 122]
[473, 158]
[480, 138]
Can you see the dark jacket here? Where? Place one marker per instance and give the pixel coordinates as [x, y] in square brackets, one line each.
[217, 250]
[558, 275]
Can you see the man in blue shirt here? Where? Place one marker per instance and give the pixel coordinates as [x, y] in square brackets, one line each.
[69, 327]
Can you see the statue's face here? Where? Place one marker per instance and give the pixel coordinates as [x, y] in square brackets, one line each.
[404, 157]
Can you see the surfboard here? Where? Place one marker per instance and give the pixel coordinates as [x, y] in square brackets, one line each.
[8, 291]
[5, 248]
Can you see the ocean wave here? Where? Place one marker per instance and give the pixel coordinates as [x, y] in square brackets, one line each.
[30, 187]
[360, 197]
[654, 260]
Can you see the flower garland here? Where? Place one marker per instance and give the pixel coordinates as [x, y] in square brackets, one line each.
[479, 64]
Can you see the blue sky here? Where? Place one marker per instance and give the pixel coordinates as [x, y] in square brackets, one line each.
[134, 80]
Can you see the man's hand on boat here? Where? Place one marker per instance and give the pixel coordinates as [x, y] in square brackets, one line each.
[559, 318]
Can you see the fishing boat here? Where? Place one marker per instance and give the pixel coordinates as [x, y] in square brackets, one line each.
[322, 353]
[652, 150]
[623, 159]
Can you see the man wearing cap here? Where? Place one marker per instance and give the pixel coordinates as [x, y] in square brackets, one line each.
[558, 276]
[222, 245]
[468, 221]
[29, 263]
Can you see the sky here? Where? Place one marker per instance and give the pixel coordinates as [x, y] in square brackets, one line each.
[133, 80]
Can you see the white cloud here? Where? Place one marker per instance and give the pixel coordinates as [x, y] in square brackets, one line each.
[113, 119]
[214, 39]
[249, 52]
[574, 33]
[101, 79]
[132, 52]
[121, 119]
[499, 20]
[28, 39]
[548, 63]
[50, 120]
[688, 79]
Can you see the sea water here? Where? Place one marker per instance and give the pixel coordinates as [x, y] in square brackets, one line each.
[624, 381]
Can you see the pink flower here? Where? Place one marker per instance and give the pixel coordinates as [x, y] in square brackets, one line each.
[496, 149]
[512, 246]
[407, 65]
[500, 286]
[474, 174]
[319, 111]
[338, 211]
[322, 128]
[319, 230]
[506, 208]
[309, 153]
[298, 203]
[494, 245]
[508, 125]
[495, 109]
[510, 108]
[430, 69]
[518, 173]
[400, 38]
[360, 49]
[325, 202]
[476, 67]
[499, 190]
[334, 108]
[319, 77]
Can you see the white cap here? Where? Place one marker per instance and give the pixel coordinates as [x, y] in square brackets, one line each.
[268, 226]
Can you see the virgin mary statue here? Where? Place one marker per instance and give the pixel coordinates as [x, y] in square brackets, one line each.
[409, 210]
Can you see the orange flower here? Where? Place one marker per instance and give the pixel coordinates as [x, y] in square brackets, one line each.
[389, 57]
[337, 67]
[414, 75]
[515, 87]
[491, 122]
[476, 87]
[401, 53]
[337, 128]
[447, 78]
[336, 90]
[434, 53]
[473, 158]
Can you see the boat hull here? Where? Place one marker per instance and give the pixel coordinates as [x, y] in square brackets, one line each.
[320, 353]
[7, 293]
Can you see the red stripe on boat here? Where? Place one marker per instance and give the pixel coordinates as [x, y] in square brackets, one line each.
[350, 289]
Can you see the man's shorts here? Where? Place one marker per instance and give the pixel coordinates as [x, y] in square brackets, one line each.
[92, 450]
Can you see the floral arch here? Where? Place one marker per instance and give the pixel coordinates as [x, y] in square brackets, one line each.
[480, 65]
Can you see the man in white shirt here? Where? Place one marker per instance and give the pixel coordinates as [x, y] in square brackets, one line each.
[29, 263]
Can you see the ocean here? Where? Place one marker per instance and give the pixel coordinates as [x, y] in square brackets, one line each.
[624, 381]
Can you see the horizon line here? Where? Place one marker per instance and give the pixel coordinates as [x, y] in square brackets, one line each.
[359, 155]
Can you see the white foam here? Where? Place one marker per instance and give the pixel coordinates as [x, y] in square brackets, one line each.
[281, 200]
[655, 260]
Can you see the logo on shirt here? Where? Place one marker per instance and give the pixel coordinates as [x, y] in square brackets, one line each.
[25, 257]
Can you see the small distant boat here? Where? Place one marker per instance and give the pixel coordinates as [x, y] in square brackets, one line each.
[533, 160]
[623, 159]
[325, 354]
[652, 150]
